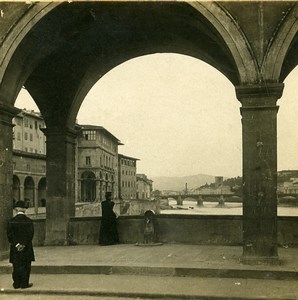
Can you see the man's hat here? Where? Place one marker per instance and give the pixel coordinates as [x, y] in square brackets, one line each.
[20, 204]
[108, 194]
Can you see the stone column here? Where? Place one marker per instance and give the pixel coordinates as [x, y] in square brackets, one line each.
[22, 192]
[259, 142]
[97, 190]
[6, 173]
[100, 191]
[35, 200]
[60, 184]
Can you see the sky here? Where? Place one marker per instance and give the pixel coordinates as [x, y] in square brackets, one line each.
[179, 116]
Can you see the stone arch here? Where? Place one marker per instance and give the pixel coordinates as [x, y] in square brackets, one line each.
[29, 17]
[88, 186]
[207, 17]
[29, 186]
[278, 49]
[233, 36]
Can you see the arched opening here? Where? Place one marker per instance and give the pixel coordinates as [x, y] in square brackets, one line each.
[16, 188]
[29, 191]
[186, 119]
[88, 187]
[42, 192]
[287, 187]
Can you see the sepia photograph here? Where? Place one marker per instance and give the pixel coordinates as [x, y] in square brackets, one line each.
[148, 150]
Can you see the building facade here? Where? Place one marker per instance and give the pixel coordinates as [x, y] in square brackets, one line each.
[144, 187]
[97, 163]
[127, 168]
[99, 167]
[29, 159]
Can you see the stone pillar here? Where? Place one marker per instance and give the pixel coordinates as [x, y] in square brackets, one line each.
[200, 202]
[6, 173]
[22, 192]
[100, 191]
[259, 142]
[60, 184]
[179, 200]
[35, 200]
[97, 190]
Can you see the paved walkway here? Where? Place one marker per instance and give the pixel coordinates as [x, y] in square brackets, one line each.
[167, 272]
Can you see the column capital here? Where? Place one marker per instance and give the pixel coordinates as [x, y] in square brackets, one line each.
[7, 112]
[60, 134]
[259, 95]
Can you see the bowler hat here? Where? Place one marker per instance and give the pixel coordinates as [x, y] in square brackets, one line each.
[20, 204]
[108, 194]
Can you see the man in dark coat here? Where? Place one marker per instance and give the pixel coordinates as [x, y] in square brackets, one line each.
[20, 232]
[108, 234]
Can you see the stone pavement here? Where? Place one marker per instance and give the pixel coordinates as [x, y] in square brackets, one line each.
[162, 272]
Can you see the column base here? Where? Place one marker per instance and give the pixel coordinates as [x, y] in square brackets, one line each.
[260, 260]
[4, 255]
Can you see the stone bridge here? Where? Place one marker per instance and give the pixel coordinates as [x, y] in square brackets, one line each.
[200, 198]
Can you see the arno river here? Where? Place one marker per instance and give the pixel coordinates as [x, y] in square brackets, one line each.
[210, 208]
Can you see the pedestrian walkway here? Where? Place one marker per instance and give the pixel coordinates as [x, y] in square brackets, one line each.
[167, 272]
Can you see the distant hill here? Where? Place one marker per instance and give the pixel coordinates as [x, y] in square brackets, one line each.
[178, 183]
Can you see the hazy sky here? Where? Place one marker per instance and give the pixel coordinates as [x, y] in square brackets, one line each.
[179, 116]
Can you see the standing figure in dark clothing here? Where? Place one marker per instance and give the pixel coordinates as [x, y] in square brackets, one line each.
[108, 234]
[20, 232]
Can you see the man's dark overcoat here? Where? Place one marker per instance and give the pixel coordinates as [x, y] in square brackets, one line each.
[20, 229]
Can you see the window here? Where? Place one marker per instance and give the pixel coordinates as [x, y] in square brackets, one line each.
[88, 160]
[26, 122]
[28, 167]
[89, 135]
[18, 136]
[43, 169]
[26, 136]
[35, 123]
[31, 137]
[14, 165]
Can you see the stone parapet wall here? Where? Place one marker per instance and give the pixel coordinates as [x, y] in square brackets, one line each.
[180, 229]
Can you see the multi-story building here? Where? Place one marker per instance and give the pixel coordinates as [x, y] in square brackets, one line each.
[288, 187]
[29, 159]
[144, 187]
[97, 161]
[127, 167]
[99, 167]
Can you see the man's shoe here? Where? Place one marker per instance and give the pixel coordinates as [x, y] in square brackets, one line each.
[28, 286]
[16, 286]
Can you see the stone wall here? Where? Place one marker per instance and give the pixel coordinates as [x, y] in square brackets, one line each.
[188, 229]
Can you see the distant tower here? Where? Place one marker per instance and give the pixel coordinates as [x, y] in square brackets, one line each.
[218, 181]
